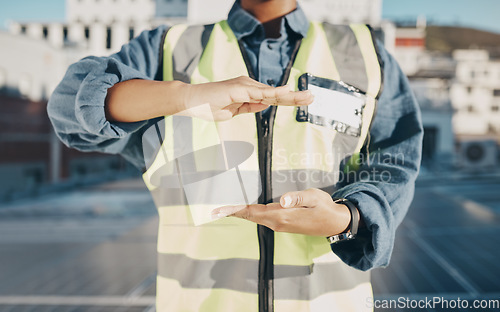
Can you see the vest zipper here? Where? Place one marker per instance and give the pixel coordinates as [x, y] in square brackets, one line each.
[265, 125]
[265, 235]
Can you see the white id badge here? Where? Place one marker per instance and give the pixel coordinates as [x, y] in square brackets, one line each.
[336, 105]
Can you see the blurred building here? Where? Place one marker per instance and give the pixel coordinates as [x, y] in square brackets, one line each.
[207, 11]
[433, 96]
[29, 67]
[475, 93]
[352, 11]
[96, 27]
[344, 11]
[475, 96]
[459, 95]
[108, 12]
[430, 76]
[410, 48]
[101, 27]
[37, 55]
[32, 160]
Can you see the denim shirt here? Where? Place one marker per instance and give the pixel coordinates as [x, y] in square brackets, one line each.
[382, 194]
[274, 54]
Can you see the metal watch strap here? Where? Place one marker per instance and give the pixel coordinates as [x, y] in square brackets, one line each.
[353, 226]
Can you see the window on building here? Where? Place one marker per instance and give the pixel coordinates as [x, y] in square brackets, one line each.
[25, 84]
[108, 37]
[23, 29]
[33, 176]
[65, 33]
[86, 30]
[429, 144]
[131, 33]
[473, 74]
[470, 108]
[493, 129]
[3, 78]
[495, 108]
[45, 31]
[496, 92]
[469, 89]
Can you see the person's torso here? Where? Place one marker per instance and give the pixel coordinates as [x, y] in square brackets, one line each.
[233, 264]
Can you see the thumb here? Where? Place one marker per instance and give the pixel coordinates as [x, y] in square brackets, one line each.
[300, 199]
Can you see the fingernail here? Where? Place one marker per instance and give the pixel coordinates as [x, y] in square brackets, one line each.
[218, 215]
[214, 215]
[288, 201]
[221, 215]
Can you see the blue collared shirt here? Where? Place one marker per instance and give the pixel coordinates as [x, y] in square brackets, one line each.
[76, 109]
[274, 53]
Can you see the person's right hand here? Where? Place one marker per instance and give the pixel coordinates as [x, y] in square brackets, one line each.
[232, 97]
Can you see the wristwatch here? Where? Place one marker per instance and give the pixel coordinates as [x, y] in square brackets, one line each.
[353, 226]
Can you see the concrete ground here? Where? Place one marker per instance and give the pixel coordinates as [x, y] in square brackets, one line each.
[447, 247]
[94, 249]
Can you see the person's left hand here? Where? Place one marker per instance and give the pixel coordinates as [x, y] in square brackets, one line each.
[310, 212]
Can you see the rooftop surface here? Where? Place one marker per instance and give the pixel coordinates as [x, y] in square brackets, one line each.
[94, 249]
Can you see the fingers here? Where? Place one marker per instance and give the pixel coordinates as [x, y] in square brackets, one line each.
[269, 92]
[247, 212]
[237, 109]
[253, 91]
[301, 221]
[251, 108]
[295, 98]
[282, 96]
[309, 212]
[302, 199]
[246, 95]
[309, 198]
[227, 211]
[261, 214]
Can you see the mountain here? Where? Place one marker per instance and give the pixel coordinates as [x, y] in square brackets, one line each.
[448, 38]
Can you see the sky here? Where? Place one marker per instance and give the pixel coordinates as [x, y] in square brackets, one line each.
[482, 14]
[31, 10]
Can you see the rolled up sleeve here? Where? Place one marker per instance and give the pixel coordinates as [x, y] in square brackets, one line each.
[76, 107]
[383, 187]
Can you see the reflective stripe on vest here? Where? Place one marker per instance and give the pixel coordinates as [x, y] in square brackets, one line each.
[214, 267]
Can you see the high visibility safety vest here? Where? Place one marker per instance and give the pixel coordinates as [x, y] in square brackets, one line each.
[233, 264]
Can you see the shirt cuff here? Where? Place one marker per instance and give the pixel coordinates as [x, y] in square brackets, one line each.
[90, 101]
[373, 244]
